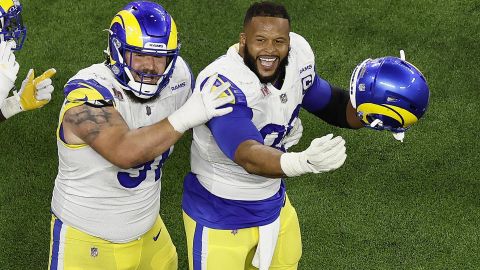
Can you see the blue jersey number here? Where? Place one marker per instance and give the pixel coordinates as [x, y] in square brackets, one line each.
[273, 134]
[133, 179]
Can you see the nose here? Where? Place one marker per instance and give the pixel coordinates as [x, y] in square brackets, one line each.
[270, 47]
[149, 63]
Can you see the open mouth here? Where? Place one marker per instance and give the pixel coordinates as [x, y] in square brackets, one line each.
[267, 63]
[150, 80]
[146, 78]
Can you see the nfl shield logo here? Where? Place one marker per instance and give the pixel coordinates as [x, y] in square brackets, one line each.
[94, 252]
[283, 98]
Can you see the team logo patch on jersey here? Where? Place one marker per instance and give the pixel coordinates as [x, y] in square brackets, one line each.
[94, 252]
[307, 82]
[283, 98]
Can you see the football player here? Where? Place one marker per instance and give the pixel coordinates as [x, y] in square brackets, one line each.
[236, 212]
[117, 128]
[34, 92]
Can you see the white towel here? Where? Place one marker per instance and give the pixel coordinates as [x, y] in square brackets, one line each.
[267, 240]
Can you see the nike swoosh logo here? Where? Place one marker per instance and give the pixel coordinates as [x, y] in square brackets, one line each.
[308, 161]
[155, 238]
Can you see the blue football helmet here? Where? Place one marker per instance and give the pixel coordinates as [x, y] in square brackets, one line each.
[389, 94]
[146, 28]
[11, 25]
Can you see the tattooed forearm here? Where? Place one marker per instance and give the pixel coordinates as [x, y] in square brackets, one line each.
[89, 121]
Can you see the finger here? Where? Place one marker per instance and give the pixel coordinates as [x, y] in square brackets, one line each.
[333, 143]
[44, 83]
[30, 75]
[220, 90]
[337, 155]
[8, 54]
[209, 84]
[46, 89]
[44, 95]
[47, 74]
[11, 59]
[5, 51]
[223, 111]
[340, 162]
[319, 141]
[223, 101]
[15, 67]
[2, 49]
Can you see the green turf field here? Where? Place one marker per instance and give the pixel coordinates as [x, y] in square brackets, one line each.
[411, 205]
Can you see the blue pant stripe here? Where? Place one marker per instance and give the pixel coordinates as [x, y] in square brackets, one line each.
[57, 228]
[197, 247]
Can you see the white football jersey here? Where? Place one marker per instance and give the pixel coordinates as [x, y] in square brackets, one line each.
[90, 193]
[274, 114]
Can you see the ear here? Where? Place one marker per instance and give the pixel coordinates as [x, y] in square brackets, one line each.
[243, 39]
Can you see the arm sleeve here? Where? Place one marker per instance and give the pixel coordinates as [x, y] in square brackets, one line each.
[230, 130]
[327, 102]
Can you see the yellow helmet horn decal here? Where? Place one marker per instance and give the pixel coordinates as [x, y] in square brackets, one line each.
[132, 28]
[173, 38]
[403, 116]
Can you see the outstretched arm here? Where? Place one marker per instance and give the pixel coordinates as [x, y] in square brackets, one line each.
[240, 140]
[331, 104]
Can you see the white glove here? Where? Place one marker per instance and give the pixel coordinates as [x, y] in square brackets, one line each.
[202, 106]
[294, 136]
[8, 69]
[34, 93]
[324, 154]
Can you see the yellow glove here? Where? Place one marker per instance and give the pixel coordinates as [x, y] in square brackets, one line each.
[35, 93]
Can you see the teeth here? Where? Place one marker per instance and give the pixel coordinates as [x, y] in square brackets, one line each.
[267, 62]
[268, 59]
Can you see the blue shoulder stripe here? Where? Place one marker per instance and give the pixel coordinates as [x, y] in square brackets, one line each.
[91, 87]
[240, 98]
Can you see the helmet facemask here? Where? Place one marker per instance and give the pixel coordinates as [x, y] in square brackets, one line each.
[11, 26]
[124, 70]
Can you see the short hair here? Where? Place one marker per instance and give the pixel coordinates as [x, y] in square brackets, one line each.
[266, 9]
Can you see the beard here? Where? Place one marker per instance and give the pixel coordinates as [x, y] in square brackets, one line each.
[251, 63]
[136, 99]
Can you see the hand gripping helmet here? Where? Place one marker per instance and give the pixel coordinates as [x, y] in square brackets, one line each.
[389, 93]
[11, 24]
[146, 28]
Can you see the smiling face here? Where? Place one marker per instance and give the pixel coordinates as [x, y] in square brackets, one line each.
[264, 46]
[146, 64]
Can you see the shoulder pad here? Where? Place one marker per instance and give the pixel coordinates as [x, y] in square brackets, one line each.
[240, 98]
[86, 91]
[301, 47]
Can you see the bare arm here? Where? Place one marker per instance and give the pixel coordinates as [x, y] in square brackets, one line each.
[259, 159]
[106, 132]
[352, 119]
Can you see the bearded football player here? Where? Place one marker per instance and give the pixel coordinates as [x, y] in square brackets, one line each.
[237, 214]
[117, 127]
